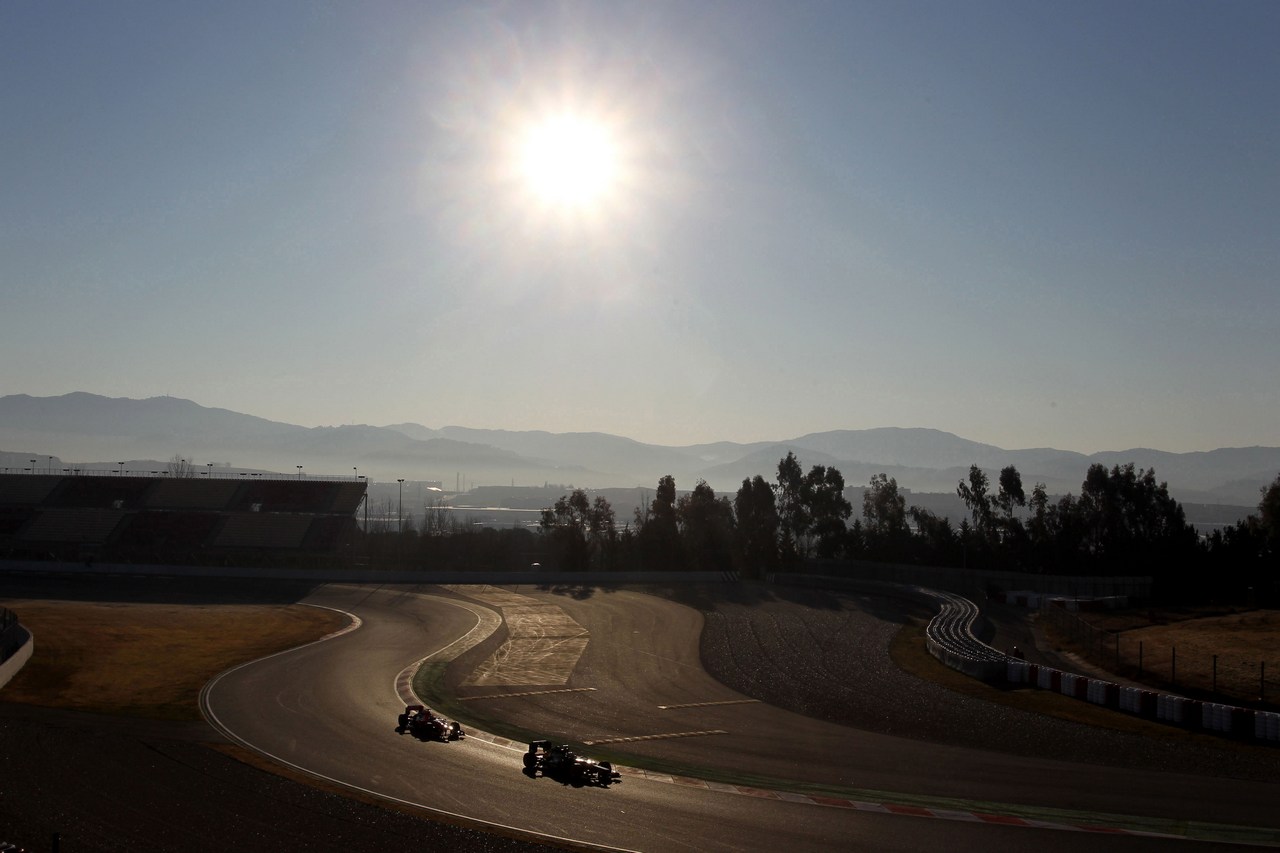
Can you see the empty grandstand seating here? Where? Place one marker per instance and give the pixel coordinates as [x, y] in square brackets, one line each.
[347, 497]
[191, 493]
[161, 518]
[102, 492]
[161, 532]
[14, 518]
[328, 532]
[23, 490]
[71, 525]
[263, 530]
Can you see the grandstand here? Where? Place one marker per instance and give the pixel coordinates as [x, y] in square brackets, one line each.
[191, 520]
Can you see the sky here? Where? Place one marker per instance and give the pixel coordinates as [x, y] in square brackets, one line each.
[1029, 224]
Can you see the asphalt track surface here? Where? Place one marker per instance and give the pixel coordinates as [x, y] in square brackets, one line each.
[623, 669]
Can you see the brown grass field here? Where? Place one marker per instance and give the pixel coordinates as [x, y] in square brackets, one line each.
[148, 660]
[1175, 650]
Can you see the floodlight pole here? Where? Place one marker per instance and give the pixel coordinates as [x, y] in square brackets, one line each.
[400, 511]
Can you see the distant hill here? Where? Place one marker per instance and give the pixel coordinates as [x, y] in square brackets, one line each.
[88, 428]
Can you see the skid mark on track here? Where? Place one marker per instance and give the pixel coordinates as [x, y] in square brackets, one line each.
[525, 693]
[663, 736]
[529, 661]
[709, 704]
[543, 642]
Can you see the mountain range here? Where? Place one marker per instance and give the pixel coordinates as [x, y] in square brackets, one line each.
[88, 430]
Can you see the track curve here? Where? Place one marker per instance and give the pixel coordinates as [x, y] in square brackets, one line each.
[330, 708]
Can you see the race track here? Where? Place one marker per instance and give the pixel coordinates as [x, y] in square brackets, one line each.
[622, 669]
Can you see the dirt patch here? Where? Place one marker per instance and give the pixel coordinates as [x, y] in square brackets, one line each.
[148, 660]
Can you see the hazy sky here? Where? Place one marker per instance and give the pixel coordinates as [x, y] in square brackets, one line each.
[1030, 224]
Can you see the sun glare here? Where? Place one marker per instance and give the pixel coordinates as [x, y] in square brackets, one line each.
[569, 161]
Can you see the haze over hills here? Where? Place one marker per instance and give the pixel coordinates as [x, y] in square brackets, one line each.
[90, 430]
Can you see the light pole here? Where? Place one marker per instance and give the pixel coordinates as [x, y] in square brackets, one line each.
[400, 511]
[299, 467]
[355, 474]
[121, 464]
[209, 465]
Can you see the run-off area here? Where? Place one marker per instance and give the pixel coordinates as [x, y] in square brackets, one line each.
[543, 646]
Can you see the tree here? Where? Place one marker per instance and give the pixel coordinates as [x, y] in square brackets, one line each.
[826, 508]
[884, 511]
[706, 529]
[1130, 521]
[1039, 528]
[179, 467]
[975, 497]
[657, 530]
[756, 516]
[579, 527]
[1011, 494]
[603, 531]
[793, 521]
[1244, 559]
[1269, 514]
[938, 540]
[439, 519]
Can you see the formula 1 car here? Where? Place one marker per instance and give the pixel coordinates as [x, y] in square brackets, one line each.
[419, 721]
[566, 766]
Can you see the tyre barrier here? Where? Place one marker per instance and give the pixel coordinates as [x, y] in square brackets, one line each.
[950, 638]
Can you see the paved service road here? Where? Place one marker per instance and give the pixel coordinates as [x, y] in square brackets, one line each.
[622, 668]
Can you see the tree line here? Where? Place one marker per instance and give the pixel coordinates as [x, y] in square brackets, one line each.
[1122, 522]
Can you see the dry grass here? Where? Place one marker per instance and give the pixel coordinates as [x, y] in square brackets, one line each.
[1176, 649]
[148, 660]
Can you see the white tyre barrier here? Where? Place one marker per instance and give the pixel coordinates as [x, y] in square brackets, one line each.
[1016, 671]
[1170, 708]
[950, 638]
[1217, 718]
[1266, 726]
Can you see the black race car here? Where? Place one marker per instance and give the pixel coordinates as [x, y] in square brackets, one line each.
[566, 766]
[419, 721]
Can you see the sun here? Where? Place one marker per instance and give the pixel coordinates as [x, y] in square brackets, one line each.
[569, 161]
